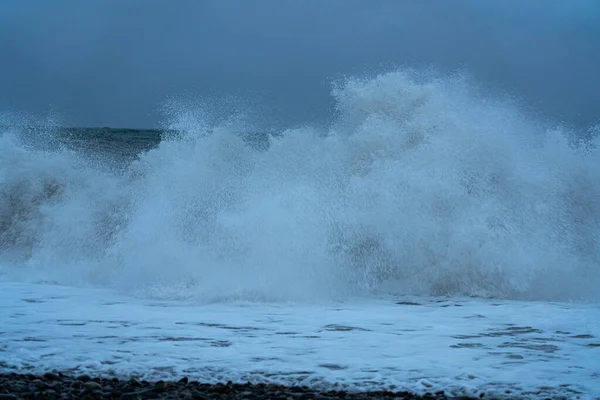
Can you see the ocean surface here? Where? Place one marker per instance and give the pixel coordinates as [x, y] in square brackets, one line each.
[430, 238]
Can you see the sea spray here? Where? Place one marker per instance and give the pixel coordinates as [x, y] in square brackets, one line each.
[421, 185]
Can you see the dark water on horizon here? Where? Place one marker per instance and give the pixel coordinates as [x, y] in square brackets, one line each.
[115, 143]
[120, 145]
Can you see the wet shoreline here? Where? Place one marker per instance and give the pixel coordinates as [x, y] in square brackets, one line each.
[60, 386]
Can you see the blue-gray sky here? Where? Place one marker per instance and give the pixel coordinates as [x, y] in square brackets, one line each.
[114, 62]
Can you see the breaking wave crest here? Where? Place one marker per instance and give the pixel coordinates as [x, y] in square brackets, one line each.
[420, 186]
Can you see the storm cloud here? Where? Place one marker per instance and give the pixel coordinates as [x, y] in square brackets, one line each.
[114, 62]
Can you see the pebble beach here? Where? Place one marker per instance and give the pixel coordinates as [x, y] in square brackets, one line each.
[59, 386]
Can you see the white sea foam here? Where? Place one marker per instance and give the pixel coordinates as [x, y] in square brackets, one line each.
[420, 186]
[503, 349]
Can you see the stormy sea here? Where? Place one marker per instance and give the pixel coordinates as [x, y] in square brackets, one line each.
[429, 238]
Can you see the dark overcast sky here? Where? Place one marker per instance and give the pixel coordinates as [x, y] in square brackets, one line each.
[114, 62]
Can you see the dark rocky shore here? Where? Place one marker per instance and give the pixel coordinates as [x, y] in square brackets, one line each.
[58, 386]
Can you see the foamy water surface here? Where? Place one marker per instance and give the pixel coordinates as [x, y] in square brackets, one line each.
[460, 345]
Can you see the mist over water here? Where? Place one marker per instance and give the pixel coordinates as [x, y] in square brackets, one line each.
[421, 185]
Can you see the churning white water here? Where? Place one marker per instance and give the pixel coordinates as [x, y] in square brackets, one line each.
[420, 186]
